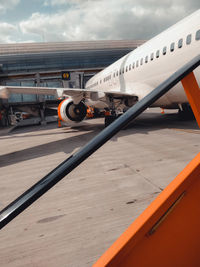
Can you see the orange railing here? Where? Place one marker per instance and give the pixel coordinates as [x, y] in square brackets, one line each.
[167, 233]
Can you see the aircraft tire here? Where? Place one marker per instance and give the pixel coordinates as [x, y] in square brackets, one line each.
[109, 120]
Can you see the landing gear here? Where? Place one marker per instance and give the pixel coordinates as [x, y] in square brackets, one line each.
[109, 119]
[185, 112]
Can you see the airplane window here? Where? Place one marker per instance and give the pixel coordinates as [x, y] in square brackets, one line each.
[172, 46]
[180, 43]
[137, 63]
[197, 37]
[189, 39]
[114, 75]
[130, 67]
[120, 72]
[152, 56]
[123, 70]
[157, 54]
[133, 65]
[146, 59]
[164, 50]
[141, 61]
[126, 68]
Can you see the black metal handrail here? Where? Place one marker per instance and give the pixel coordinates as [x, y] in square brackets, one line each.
[42, 186]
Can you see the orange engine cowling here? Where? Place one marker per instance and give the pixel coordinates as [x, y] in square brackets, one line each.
[69, 112]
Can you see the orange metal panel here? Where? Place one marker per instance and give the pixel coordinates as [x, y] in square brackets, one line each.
[192, 91]
[167, 233]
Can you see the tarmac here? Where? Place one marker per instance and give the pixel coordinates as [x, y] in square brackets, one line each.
[75, 222]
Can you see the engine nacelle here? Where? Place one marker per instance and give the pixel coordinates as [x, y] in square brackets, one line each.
[69, 112]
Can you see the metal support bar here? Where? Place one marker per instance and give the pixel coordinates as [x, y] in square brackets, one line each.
[192, 91]
[42, 186]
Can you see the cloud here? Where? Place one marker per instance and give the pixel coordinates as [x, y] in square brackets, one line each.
[64, 2]
[7, 31]
[102, 19]
[8, 4]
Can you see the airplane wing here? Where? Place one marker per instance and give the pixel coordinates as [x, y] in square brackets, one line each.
[5, 91]
[76, 94]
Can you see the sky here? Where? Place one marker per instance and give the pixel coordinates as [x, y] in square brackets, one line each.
[75, 20]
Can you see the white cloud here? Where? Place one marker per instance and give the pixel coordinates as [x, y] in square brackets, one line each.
[95, 19]
[6, 32]
[8, 4]
[64, 2]
[102, 19]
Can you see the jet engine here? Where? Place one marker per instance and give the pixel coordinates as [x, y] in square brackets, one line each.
[69, 112]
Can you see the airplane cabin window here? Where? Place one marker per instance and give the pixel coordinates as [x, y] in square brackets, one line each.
[126, 68]
[123, 70]
[141, 61]
[172, 46]
[117, 73]
[120, 72]
[130, 67]
[164, 50]
[133, 66]
[152, 56]
[180, 43]
[146, 59]
[189, 39]
[197, 37]
[114, 75]
[157, 53]
[137, 63]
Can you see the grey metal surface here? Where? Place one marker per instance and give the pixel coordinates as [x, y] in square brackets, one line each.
[17, 58]
[28, 48]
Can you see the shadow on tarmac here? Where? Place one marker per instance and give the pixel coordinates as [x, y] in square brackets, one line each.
[145, 123]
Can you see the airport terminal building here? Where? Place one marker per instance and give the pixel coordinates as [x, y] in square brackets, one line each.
[46, 64]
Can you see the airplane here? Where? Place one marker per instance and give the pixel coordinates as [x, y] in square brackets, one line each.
[129, 79]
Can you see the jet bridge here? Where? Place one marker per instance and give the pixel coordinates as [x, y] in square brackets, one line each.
[191, 87]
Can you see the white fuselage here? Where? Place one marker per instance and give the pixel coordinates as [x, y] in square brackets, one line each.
[140, 71]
